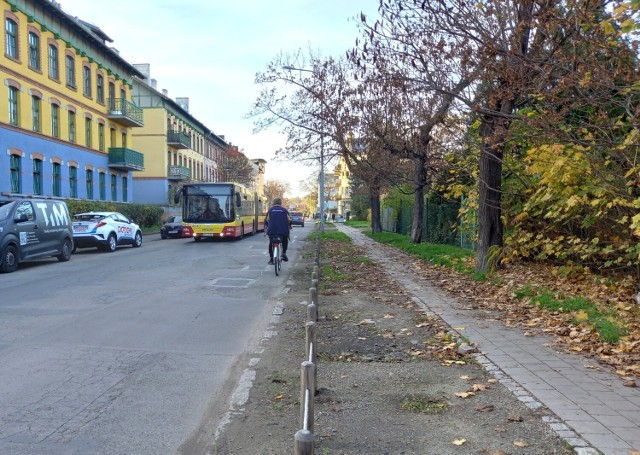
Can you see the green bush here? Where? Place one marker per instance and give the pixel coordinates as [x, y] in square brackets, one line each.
[145, 215]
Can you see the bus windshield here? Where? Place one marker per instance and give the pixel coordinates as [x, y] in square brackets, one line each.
[208, 204]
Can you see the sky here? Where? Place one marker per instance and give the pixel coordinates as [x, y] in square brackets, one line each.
[210, 51]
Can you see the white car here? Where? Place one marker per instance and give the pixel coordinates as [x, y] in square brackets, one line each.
[105, 230]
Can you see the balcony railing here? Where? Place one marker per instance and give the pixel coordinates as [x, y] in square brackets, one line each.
[178, 173]
[125, 112]
[178, 139]
[126, 159]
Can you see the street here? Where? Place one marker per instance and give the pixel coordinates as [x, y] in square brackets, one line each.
[128, 352]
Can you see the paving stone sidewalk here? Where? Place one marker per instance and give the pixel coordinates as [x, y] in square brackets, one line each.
[594, 411]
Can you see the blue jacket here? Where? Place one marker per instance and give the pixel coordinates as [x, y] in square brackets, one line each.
[278, 221]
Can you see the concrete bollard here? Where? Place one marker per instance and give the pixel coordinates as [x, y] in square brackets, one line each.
[303, 443]
[314, 284]
[313, 295]
[314, 275]
[307, 404]
[312, 312]
[311, 341]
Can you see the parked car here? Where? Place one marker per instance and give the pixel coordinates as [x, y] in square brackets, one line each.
[105, 230]
[172, 227]
[297, 219]
[34, 229]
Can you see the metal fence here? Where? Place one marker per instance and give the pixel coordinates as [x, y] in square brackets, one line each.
[440, 223]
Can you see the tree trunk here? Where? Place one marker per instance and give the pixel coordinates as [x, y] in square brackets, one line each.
[490, 192]
[419, 180]
[374, 198]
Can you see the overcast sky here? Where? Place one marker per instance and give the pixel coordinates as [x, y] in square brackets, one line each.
[210, 50]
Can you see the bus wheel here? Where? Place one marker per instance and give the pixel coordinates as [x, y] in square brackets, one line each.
[242, 231]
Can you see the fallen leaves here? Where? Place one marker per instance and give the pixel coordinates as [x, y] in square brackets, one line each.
[458, 442]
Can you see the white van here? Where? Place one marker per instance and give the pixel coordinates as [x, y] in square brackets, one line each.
[34, 229]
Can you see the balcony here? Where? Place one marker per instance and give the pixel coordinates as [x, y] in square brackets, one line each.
[178, 140]
[125, 159]
[124, 112]
[178, 173]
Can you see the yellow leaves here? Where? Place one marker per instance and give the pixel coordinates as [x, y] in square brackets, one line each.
[458, 442]
[465, 394]
[520, 444]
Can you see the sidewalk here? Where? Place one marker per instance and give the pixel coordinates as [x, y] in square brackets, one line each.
[595, 412]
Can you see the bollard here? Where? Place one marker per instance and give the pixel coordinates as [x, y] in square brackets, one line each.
[306, 396]
[313, 295]
[303, 443]
[315, 269]
[314, 284]
[312, 312]
[314, 275]
[311, 341]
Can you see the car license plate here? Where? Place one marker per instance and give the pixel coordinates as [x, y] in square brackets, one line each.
[80, 228]
[173, 231]
[207, 235]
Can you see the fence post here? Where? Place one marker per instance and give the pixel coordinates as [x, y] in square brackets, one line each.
[306, 396]
[312, 312]
[312, 351]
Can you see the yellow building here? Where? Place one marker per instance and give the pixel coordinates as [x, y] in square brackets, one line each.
[66, 115]
[342, 191]
[177, 147]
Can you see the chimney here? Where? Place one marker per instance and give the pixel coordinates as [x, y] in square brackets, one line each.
[183, 103]
[154, 84]
[165, 92]
[144, 68]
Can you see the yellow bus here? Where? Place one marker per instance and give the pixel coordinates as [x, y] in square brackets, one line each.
[219, 210]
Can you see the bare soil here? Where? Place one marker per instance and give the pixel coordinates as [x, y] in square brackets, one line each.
[391, 380]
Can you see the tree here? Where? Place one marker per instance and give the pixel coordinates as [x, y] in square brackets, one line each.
[237, 167]
[274, 189]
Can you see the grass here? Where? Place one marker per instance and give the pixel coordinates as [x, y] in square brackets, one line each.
[424, 405]
[583, 311]
[453, 257]
[358, 223]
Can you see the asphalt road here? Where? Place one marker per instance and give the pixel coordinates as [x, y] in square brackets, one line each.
[129, 352]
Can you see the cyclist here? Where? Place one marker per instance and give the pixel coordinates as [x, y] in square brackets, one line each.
[278, 222]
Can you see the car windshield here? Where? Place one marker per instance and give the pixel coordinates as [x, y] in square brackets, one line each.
[175, 219]
[5, 210]
[95, 217]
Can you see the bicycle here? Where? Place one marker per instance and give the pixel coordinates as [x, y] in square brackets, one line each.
[277, 261]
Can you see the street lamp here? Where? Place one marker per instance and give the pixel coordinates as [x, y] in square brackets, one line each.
[321, 183]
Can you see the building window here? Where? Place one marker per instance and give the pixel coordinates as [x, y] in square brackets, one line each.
[35, 113]
[16, 173]
[34, 51]
[71, 71]
[89, 183]
[112, 96]
[73, 182]
[87, 132]
[114, 190]
[57, 180]
[112, 137]
[37, 177]
[101, 137]
[72, 126]
[11, 38]
[100, 88]
[54, 71]
[14, 118]
[86, 81]
[124, 139]
[55, 120]
[125, 184]
[103, 185]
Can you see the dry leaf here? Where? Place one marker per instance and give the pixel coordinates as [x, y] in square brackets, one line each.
[485, 408]
[465, 394]
[465, 377]
[520, 444]
[500, 430]
[458, 442]
[279, 397]
[479, 387]
[514, 418]
[389, 316]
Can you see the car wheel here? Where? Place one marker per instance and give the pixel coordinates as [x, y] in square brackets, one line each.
[163, 235]
[112, 243]
[9, 259]
[67, 249]
[302, 225]
[137, 243]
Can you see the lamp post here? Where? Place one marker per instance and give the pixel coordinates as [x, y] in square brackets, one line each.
[321, 188]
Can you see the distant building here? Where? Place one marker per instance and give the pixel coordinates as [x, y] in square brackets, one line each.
[68, 118]
[178, 148]
[342, 191]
